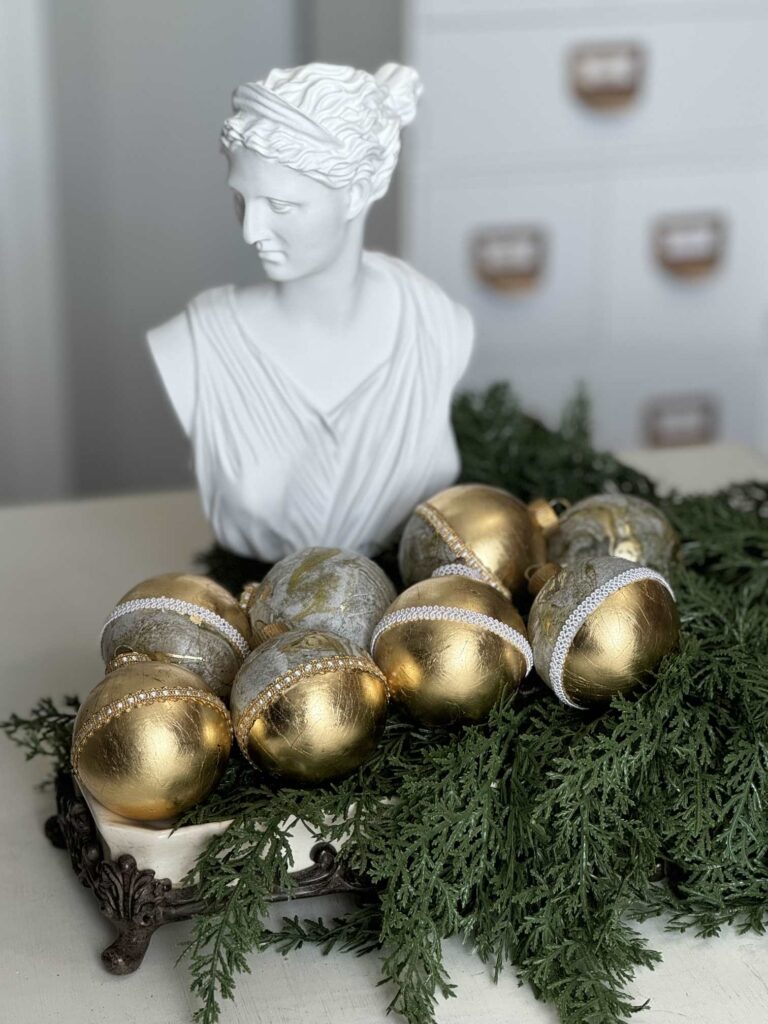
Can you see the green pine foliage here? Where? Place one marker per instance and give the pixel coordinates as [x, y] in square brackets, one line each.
[541, 836]
[47, 732]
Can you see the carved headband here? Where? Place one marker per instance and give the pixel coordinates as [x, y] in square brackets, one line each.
[255, 98]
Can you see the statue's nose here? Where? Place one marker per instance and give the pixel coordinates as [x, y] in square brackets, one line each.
[255, 228]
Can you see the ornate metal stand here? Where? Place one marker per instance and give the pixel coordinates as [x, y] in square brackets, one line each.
[136, 902]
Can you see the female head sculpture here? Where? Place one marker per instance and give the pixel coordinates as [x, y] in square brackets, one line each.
[318, 401]
[336, 124]
[310, 149]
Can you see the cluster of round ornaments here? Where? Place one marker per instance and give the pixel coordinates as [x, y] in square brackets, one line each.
[301, 669]
[602, 618]
[285, 671]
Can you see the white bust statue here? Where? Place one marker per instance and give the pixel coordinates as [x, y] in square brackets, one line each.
[317, 403]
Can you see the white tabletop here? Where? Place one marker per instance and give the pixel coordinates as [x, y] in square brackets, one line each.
[61, 568]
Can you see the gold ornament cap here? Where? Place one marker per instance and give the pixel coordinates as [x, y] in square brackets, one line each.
[544, 514]
[538, 575]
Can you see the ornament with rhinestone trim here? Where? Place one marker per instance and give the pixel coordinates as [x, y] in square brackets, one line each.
[320, 588]
[308, 706]
[482, 527]
[600, 627]
[184, 620]
[622, 525]
[151, 740]
[450, 646]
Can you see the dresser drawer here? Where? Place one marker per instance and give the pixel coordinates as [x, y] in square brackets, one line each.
[496, 95]
[520, 255]
[652, 378]
[623, 389]
[686, 261]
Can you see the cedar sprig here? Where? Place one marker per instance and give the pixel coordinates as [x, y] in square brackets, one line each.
[45, 732]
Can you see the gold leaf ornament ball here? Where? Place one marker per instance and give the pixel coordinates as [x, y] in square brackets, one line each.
[329, 589]
[185, 620]
[308, 706]
[151, 740]
[600, 627]
[485, 528]
[450, 647]
[622, 525]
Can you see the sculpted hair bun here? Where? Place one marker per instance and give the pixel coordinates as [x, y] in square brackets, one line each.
[404, 87]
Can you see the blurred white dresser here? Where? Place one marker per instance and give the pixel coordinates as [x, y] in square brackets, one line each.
[590, 177]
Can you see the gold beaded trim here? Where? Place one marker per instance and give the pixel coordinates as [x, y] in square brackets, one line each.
[464, 554]
[259, 705]
[140, 699]
[126, 658]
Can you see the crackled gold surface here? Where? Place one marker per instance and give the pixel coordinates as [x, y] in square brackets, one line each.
[450, 672]
[308, 706]
[497, 529]
[150, 741]
[621, 643]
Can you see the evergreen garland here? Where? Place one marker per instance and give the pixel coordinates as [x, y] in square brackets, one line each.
[542, 835]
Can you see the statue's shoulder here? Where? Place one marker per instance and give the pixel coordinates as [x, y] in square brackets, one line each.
[427, 292]
[450, 322]
[174, 348]
[211, 301]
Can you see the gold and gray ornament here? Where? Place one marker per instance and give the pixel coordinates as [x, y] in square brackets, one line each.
[151, 740]
[319, 588]
[485, 528]
[450, 647]
[184, 620]
[615, 524]
[308, 706]
[600, 627]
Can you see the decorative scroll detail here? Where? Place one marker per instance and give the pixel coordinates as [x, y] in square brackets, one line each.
[137, 902]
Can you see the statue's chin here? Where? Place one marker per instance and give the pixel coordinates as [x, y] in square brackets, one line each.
[277, 270]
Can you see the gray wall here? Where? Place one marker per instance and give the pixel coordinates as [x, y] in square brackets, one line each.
[140, 91]
[366, 34]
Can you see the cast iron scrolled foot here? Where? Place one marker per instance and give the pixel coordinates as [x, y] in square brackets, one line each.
[137, 903]
[125, 954]
[54, 833]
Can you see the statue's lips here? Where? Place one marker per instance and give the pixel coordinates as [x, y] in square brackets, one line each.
[270, 254]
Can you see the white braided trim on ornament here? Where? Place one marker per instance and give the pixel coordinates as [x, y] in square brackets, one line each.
[319, 666]
[446, 533]
[190, 611]
[141, 698]
[440, 613]
[457, 569]
[579, 615]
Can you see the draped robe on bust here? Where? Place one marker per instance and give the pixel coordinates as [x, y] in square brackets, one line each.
[275, 472]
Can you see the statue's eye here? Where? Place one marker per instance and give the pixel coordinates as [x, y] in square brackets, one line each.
[280, 206]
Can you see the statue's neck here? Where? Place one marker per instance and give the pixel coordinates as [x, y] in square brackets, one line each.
[330, 295]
